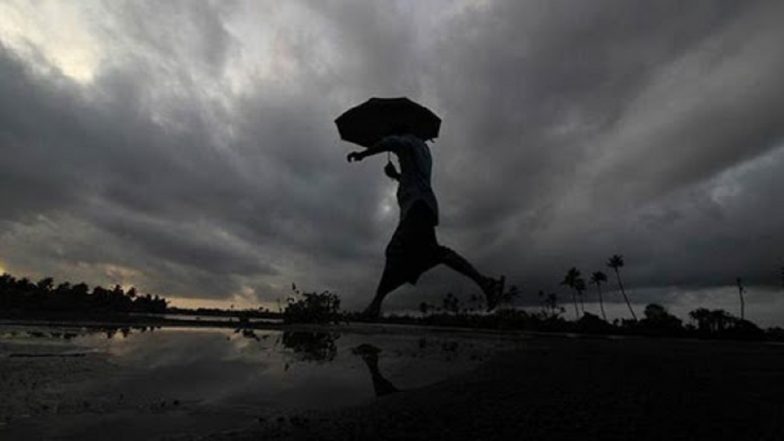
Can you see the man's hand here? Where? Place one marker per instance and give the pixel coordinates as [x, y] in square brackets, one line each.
[355, 156]
[391, 171]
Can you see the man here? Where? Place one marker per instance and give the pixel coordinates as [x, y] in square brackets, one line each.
[413, 248]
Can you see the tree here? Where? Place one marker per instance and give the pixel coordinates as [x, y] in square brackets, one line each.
[702, 317]
[711, 321]
[312, 307]
[80, 290]
[615, 262]
[33, 298]
[659, 321]
[782, 276]
[579, 286]
[46, 284]
[741, 290]
[597, 279]
[550, 303]
[574, 280]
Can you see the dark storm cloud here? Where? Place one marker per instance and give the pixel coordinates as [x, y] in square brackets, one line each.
[572, 130]
[570, 120]
[26, 181]
[541, 81]
[106, 162]
[174, 192]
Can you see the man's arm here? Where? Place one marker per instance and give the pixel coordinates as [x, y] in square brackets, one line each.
[388, 144]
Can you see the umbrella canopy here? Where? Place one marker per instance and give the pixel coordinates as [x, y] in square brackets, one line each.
[374, 119]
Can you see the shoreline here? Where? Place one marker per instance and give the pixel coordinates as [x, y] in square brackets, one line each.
[141, 321]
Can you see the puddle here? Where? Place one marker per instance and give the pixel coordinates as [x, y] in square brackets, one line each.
[167, 382]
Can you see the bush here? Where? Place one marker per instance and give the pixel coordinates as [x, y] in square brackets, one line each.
[592, 324]
[313, 307]
[659, 322]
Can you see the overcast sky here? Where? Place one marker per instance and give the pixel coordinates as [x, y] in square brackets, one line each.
[188, 147]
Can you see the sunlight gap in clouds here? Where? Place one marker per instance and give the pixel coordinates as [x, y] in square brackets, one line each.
[57, 31]
[77, 38]
[728, 187]
[247, 298]
[270, 40]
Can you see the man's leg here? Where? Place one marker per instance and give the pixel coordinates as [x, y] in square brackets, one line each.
[492, 288]
[388, 283]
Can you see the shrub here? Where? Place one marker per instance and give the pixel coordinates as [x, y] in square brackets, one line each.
[592, 324]
[313, 307]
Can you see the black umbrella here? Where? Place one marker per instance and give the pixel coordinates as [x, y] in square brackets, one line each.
[370, 121]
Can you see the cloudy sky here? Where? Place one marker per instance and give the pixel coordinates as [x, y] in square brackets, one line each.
[188, 147]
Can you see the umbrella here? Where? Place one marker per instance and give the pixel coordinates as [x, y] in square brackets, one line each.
[370, 121]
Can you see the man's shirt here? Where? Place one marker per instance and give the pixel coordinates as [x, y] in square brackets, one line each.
[415, 170]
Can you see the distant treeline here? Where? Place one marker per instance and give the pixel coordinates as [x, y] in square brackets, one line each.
[218, 312]
[324, 307]
[21, 296]
[657, 322]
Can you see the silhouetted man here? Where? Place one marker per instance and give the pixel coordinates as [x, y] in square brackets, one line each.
[413, 248]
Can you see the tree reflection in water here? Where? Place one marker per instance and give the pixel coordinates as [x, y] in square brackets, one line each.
[316, 347]
[320, 347]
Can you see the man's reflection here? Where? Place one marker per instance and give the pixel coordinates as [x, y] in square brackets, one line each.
[369, 355]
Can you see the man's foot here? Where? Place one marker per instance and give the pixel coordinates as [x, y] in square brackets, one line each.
[493, 290]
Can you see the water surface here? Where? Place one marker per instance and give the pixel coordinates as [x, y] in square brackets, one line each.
[74, 383]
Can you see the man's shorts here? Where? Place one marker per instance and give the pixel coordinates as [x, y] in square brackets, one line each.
[413, 248]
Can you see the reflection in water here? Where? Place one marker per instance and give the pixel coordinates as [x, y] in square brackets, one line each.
[204, 380]
[369, 355]
[311, 346]
[109, 331]
[248, 333]
[320, 347]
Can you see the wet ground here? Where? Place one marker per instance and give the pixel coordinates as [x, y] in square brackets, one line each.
[585, 388]
[361, 382]
[179, 383]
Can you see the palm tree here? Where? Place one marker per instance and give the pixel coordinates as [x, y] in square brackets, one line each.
[574, 280]
[741, 290]
[782, 276]
[579, 286]
[597, 279]
[550, 301]
[615, 262]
